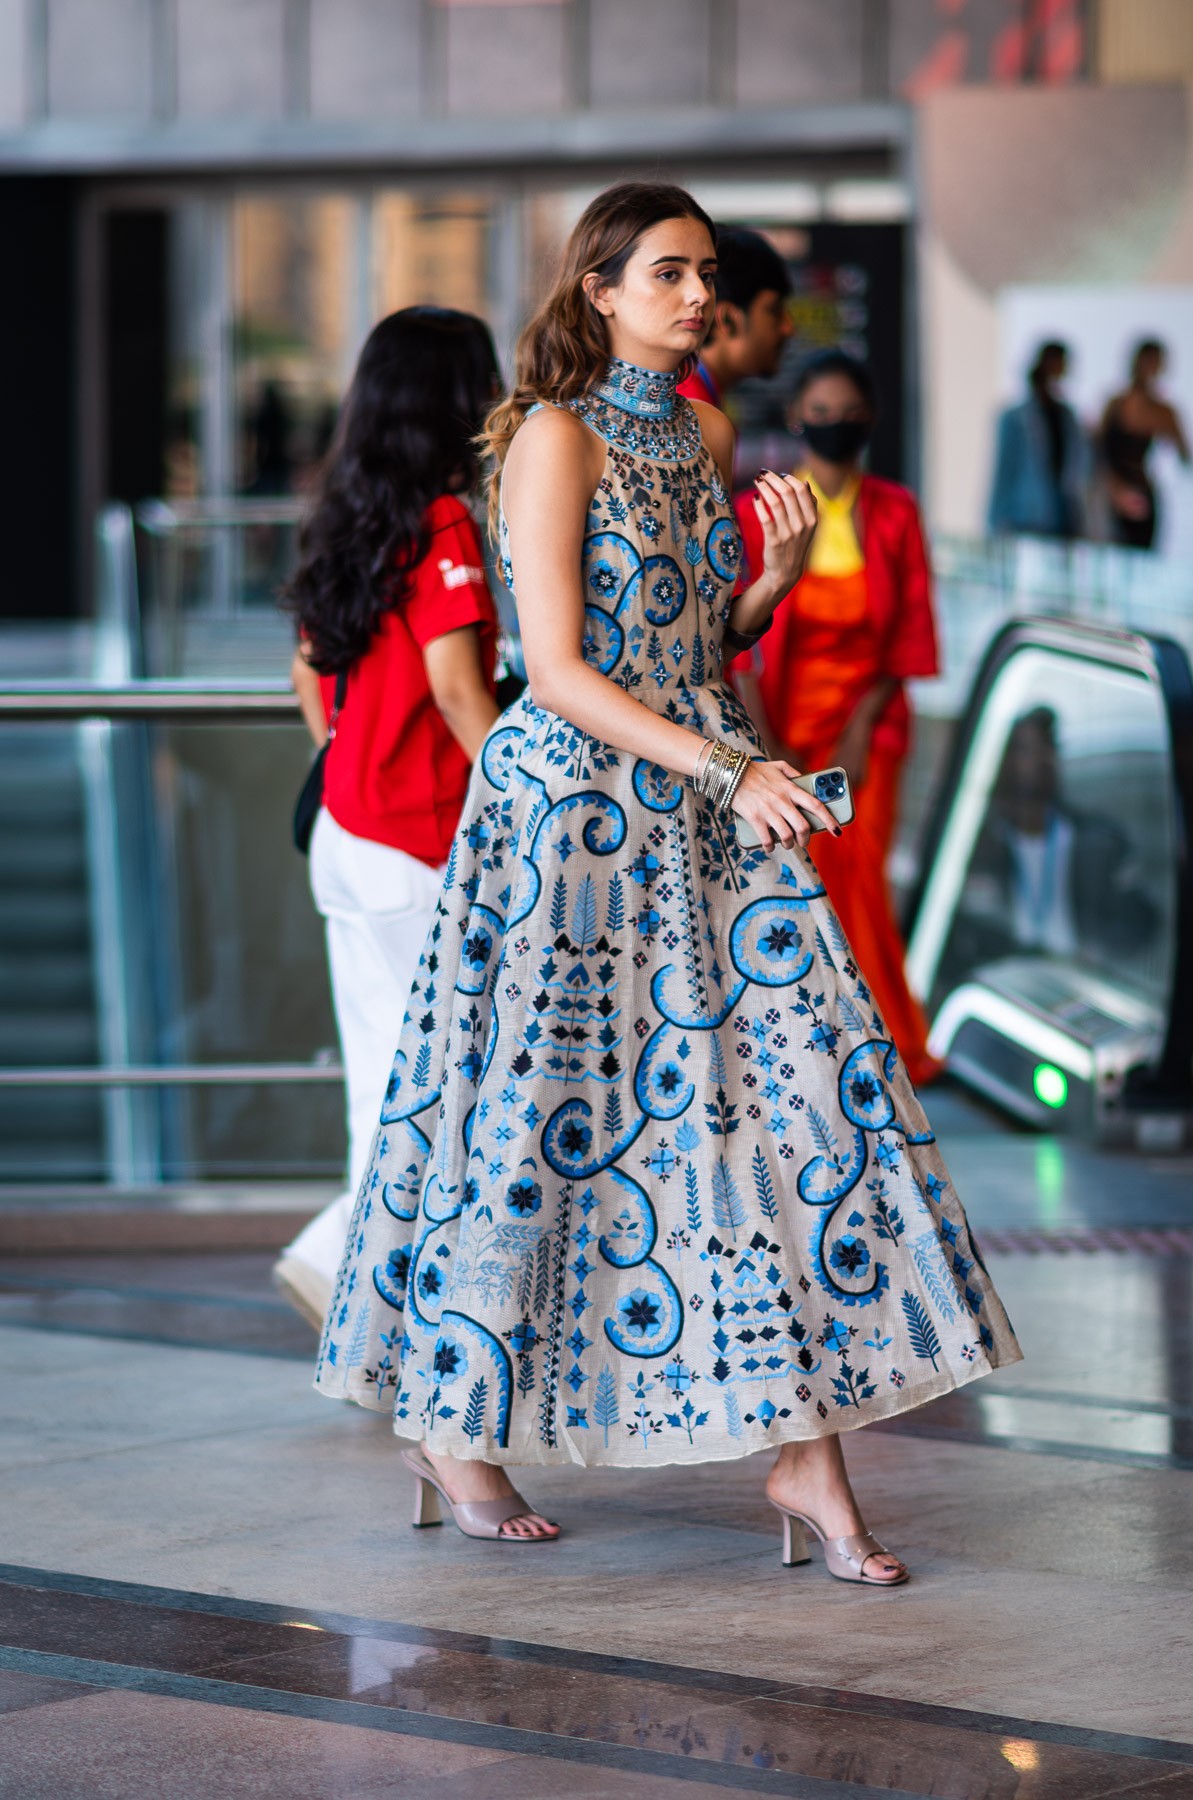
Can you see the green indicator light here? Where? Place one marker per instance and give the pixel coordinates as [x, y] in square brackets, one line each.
[1050, 1084]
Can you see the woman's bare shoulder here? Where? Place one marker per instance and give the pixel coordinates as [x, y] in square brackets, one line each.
[552, 442]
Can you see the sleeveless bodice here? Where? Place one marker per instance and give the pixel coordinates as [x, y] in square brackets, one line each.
[661, 549]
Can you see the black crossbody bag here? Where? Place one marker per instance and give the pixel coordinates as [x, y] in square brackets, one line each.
[310, 797]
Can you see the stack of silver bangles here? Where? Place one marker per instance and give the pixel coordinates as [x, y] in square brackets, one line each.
[719, 774]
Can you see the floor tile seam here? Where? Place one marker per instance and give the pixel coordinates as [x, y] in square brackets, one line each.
[728, 1684]
[1147, 1784]
[1175, 1753]
[904, 1425]
[512, 1740]
[718, 1690]
[734, 1685]
[31, 1285]
[256, 1430]
[74, 1691]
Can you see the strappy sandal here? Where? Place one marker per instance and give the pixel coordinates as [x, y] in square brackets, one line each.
[844, 1557]
[476, 1518]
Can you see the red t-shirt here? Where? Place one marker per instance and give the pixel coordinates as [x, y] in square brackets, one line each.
[699, 385]
[394, 772]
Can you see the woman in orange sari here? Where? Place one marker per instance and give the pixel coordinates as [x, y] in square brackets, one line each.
[828, 677]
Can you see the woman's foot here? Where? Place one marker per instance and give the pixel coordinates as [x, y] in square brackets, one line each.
[473, 1481]
[810, 1478]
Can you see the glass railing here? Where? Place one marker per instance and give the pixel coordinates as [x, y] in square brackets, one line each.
[164, 1006]
[983, 582]
[193, 586]
[166, 1014]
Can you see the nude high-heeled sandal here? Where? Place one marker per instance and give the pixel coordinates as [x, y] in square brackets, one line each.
[844, 1557]
[475, 1518]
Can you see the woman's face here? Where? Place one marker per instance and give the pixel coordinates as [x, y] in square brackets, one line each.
[1149, 366]
[661, 309]
[829, 400]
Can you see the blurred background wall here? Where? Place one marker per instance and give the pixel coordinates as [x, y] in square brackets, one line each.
[205, 203]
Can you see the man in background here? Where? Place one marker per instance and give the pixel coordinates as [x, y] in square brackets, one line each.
[750, 324]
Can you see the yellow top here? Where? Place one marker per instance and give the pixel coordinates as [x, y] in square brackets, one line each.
[835, 548]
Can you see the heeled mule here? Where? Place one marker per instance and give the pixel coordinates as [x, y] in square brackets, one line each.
[844, 1557]
[475, 1518]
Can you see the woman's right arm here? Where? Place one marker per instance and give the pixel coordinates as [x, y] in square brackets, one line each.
[305, 682]
[456, 677]
[551, 473]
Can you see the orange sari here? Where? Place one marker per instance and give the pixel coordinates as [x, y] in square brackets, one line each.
[819, 658]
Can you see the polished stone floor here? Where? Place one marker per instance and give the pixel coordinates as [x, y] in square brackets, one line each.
[209, 1586]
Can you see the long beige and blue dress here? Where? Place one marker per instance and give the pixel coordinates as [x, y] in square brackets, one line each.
[650, 1183]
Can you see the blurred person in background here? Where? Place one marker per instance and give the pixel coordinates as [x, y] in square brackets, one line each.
[831, 671]
[390, 588]
[750, 325]
[1042, 457]
[750, 329]
[1047, 877]
[1131, 424]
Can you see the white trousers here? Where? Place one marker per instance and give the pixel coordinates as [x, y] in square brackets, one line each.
[378, 904]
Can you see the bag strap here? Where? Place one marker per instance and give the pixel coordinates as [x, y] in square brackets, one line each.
[337, 705]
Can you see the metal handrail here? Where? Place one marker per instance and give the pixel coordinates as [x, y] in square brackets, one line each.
[172, 1075]
[62, 701]
[161, 518]
[192, 701]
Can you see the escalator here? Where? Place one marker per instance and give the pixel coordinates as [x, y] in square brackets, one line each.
[1051, 932]
[48, 1001]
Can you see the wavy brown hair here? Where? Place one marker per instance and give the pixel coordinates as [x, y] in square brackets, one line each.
[565, 347]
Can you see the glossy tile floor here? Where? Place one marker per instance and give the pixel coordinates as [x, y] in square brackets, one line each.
[210, 1587]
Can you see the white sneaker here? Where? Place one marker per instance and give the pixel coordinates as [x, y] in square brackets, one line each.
[306, 1270]
[305, 1288]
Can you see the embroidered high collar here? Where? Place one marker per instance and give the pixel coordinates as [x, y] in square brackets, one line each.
[646, 393]
[638, 411]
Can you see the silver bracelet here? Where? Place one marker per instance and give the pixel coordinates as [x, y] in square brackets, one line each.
[735, 781]
[722, 774]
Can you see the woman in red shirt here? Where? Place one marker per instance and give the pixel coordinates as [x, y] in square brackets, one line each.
[830, 671]
[390, 588]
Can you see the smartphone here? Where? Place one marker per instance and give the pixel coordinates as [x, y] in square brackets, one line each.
[831, 786]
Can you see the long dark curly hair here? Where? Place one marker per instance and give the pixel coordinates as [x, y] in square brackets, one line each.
[406, 434]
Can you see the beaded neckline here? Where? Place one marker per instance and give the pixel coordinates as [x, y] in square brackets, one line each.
[638, 411]
[647, 393]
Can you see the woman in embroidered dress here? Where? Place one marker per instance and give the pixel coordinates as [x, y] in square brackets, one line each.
[650, 1184]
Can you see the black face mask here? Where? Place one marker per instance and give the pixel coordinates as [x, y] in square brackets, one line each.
[839, 442]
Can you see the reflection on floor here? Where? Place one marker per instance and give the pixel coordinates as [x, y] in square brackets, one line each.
[211, 1588]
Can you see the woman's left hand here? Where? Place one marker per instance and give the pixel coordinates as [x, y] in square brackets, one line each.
[786, 508]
